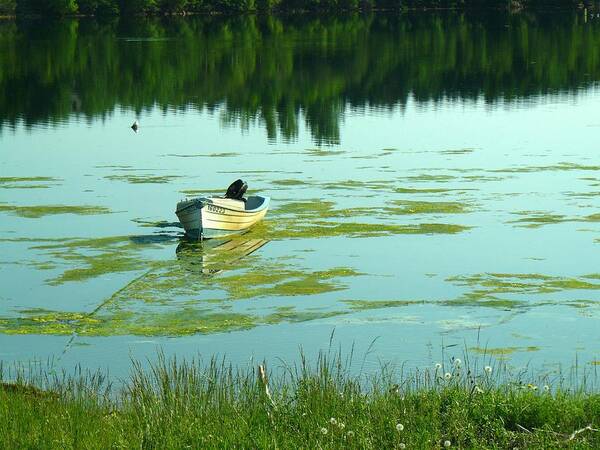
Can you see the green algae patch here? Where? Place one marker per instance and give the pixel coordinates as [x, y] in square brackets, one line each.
[168, 323]
[536, 219]
[415, 207]
[4, 180]
[425, 190]
[483, 298]
[327, 229]
[182, 322]
[40, 321]
[283, 281]
[431, 178]
[35, 212]
[324, 152]
[459, 151]
[143, 179]
[313, 219]
[293, 316]
[363, 305]
[204, 155]
[290, 182]
[375, 185]
[185, 321]
[84, 259]
[502, 352]
[560, 167]
[27, 182]
[487, 285]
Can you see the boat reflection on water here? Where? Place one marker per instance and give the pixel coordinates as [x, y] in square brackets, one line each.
[214, 256]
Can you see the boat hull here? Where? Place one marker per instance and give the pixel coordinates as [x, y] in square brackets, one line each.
[205, 218]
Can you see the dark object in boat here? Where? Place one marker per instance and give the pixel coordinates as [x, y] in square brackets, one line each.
[237, 190]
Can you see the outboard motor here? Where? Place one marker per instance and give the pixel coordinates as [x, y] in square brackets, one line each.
[237, 190]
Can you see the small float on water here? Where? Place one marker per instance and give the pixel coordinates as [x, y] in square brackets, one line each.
[214, 217]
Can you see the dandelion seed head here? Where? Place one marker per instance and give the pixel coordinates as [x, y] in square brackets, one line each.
[488, 369]
[350, 434]
[447, 444]
[399, 427]
[438, 366]
[323, 430]
[401, 445]
[546, 388]
[447, 375]
[457, 362]
[332, 421]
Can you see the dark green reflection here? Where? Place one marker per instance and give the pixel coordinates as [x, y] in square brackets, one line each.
[282, 71]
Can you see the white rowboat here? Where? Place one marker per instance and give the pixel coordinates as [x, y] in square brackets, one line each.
[204, 218]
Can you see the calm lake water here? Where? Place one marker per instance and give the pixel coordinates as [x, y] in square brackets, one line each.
[435, 184]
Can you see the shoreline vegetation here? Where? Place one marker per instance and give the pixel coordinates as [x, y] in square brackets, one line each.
[85, 8]
[175, 404]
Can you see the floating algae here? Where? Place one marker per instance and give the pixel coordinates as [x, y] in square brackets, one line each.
[204, 155]
[422, 207]
[502, 352]
[290, 182]
[428, 178]
[293, 316]
[323, 152]
[536, 219]
[26, 182]
[143, 179]
[487, 285]
[460, 151]
[184, 321]
[35, 212]
[288, 229]
[311, 219]
[167, 323]
[562, 166]
[483, 298]
[426, 190]
[362, 305]
[375, 185]
[91, 258]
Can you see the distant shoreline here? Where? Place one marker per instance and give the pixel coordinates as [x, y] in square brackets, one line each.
[281, 8]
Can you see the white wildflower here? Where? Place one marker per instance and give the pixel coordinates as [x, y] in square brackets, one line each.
[399, 427]
[332, 421]
[457, 362]
[350, 434]
[401, 445]
[447, 444]
[447, 375]
[438, 366]
[546, 388]
[488, 369]
[323, 430]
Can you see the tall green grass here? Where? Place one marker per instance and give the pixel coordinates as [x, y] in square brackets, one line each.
[323, 404]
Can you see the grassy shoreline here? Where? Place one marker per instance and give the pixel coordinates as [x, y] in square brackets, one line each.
[175, 404]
